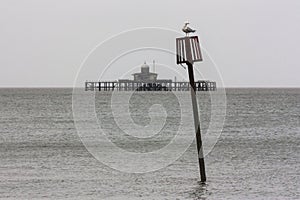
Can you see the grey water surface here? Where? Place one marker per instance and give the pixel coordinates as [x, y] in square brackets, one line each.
[257, 155]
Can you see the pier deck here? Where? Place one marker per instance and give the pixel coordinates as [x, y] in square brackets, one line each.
[141, 86]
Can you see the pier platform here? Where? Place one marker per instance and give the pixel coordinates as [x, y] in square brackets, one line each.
[146, 86]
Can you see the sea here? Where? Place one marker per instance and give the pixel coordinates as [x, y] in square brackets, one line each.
[48, 152]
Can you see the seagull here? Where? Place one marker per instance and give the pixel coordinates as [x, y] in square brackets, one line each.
[187, 29]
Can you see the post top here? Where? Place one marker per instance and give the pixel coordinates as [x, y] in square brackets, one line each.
[188, 50]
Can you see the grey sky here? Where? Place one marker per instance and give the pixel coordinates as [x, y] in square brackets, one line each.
[254, 42]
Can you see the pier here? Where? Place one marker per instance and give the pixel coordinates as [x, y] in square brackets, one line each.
[146, 86]
[148, 81]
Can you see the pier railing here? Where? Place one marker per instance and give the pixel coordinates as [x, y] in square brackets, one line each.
[142, 86]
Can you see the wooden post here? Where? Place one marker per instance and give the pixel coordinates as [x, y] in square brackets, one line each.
[195, 109]
[197, 123]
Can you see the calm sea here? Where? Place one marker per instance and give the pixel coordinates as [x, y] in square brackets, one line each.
[257, 156]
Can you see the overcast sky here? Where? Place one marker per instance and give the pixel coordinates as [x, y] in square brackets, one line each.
[255, 43]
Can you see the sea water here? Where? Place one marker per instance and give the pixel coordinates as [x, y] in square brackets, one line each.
[256, 156]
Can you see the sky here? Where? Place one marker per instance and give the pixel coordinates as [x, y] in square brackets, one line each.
[252, 43]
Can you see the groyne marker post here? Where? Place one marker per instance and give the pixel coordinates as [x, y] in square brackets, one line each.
[188, 51]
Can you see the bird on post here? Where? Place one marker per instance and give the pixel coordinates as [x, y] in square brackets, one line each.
[187, 29]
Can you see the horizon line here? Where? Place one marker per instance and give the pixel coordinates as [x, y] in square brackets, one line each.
[226, 87]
